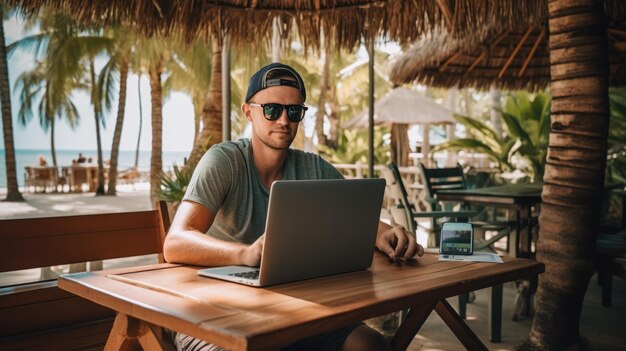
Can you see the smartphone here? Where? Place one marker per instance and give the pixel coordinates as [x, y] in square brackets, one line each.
[457, 239]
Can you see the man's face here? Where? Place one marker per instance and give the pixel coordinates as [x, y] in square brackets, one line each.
[278, 134]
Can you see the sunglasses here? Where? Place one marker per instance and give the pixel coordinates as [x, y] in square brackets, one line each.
[272, 112]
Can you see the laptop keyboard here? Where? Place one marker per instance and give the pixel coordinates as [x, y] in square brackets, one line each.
[247, 275]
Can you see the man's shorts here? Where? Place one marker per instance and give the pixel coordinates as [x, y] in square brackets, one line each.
[328, 341]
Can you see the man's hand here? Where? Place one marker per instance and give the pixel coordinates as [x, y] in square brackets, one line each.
[252, 254]
[397, 242]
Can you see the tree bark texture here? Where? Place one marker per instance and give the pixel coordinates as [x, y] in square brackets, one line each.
[211, 132]
[53, 149]
[156, 160]
[13, 191]
[574, 175]
[140, 120]
[324, 90]
[117, 134]
[400, 144]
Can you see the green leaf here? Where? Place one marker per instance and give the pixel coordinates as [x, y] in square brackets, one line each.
[515, 128]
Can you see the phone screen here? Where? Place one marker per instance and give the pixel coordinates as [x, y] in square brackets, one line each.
[456, 238]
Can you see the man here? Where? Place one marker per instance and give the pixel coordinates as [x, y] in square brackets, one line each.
[222, 216]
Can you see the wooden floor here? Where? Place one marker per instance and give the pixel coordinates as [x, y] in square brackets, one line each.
[603, 327]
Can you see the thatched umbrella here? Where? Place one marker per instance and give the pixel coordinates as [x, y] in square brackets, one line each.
[345, 22]
[508, 59]
[398, 109]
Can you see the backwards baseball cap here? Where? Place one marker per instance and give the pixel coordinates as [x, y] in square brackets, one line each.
[273, 75]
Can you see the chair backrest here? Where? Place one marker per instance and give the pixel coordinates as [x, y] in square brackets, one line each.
[42, 242]
[436, 179]
[399, 194]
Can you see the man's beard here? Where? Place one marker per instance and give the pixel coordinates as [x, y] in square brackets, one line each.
[282, 144]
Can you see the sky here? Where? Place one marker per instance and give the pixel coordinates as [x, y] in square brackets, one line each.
[178, 114]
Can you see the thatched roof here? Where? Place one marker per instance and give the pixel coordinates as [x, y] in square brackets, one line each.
[505, 58]
[404, 106]
[345, 22]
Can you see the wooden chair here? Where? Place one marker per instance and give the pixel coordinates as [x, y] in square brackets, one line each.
[453, 178]
[404, 213]
[40, 315]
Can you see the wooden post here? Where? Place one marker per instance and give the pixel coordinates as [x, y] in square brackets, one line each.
[226, 134]
[370, 50]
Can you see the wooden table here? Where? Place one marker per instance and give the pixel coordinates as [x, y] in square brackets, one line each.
[79, 174]
[517, 197]
[239, 317]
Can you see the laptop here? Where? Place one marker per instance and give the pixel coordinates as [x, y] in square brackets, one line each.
[314, 228]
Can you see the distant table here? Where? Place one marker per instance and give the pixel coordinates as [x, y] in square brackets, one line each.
[240, 317]
[44, 177]
[517, 197]
[80, 174]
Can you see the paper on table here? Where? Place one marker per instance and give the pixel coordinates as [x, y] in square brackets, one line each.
[476, 257]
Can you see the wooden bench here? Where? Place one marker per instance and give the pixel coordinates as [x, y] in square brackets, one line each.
[39, 315]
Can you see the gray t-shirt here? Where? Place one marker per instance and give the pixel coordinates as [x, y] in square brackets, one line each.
[227, 183]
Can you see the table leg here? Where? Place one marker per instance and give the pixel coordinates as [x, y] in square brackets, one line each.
[495, 313]
[411, 325]
[127, 331]
[119, 338]
[514, 236]
[458, 327]
[526, 235]
[463, 299]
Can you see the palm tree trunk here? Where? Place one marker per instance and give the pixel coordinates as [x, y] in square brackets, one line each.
[321, 106]
[140, 119]
[53, 149]
[117, 134]
[211, 132]
[96, 114]
[198, 105]
[156, 161]
[574, 172]
[13, 191]
[334, 118]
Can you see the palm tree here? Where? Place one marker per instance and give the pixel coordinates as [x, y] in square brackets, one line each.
[50, 98]
[574, 173]
[211, 132]
[191, 73]
[97, 114]
[156, 95]
[139, 74]
[13, 191]
[119, 61]
[63, 46]
[154, 53]
[324, 92]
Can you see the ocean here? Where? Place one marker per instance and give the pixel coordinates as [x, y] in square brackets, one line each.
[126, 159]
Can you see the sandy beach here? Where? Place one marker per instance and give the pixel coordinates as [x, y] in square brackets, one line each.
[129, 198]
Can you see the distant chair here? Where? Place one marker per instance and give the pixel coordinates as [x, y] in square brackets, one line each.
[453, 178]
[44, 178]
[405, 213]
[128, 176]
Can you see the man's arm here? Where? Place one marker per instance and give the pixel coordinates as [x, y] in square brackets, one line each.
[396, 242]
[186, 242]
